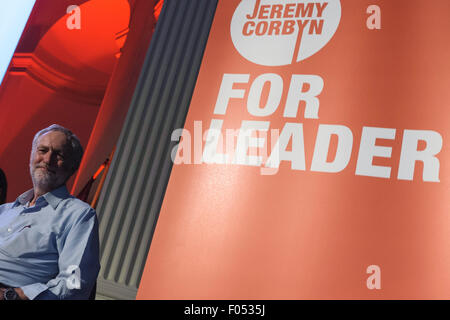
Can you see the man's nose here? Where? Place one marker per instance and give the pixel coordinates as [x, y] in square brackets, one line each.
[50, 158]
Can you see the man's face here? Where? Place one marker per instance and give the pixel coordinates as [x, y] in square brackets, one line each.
[50, 163]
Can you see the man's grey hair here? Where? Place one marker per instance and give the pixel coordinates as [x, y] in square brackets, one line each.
[76, 152]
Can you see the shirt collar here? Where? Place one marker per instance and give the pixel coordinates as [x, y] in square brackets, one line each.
[53, 197]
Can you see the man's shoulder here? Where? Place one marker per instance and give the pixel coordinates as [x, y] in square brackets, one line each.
[77, 202]
[74, 206]
[6, 206]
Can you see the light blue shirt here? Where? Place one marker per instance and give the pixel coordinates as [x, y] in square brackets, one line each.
[49, 250]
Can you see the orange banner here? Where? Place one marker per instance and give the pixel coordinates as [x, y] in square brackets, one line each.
[314, 160]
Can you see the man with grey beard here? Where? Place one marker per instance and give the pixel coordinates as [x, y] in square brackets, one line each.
[49, 246]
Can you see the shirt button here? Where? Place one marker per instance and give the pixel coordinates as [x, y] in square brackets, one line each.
[9, 229]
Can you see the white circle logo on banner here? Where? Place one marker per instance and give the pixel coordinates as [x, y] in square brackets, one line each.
[282, 32]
